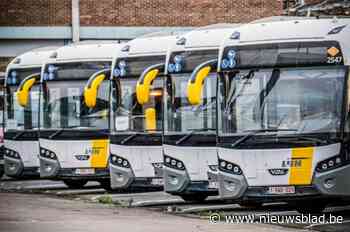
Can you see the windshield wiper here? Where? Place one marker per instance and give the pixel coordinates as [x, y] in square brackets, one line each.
[233, 97]
[129, 138]
[188, 135]
[307, 138]
[59, 131]
[255, 132]
[53, 135]
[18, 135]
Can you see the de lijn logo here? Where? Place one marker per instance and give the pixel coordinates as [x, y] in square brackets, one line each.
[88, 153]
[295, 162]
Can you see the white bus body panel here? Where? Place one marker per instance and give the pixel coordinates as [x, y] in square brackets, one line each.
[28, 150]
[195, 159]
[140, 158]
[67, 152]
[255, 164]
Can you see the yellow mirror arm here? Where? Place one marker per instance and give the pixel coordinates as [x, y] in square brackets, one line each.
[90, 91]
[22, 93]
[195, 86]
[143, 86]
[150, 117]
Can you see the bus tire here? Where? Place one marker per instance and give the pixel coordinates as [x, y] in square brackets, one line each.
[310, 207]
[106, 184]
[75, 184]
[251, 204]
[194, 197]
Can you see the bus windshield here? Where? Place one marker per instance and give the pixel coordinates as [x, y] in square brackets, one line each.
[128, 114]
[63, 103]
[180, 116]
[16, 116]
[289, 100]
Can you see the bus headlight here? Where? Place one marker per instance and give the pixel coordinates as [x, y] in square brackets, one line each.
[157, 165]
[45, 153]
[173, 180]
[48, 168]
[12, 154]
[230, 186]
[330, 164]
[119, 177]
[173, 163]
[229, 167]
[213, 168]
[119, 161]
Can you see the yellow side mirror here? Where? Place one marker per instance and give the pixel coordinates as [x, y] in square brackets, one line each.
[143, 86]
[195, 85]
[150, 117]
[90, 91]
[23, 90]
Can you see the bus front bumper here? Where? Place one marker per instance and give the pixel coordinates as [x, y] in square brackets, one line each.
[329, 184]
[123, 178]
[51, 169]
[16, 169]
[178, 182]
[2, 161]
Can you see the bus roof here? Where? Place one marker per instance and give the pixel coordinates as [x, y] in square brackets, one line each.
[86, 50]
[291, 30]
[294, 30]
[144, 46]
[207, 37]
[33, 58]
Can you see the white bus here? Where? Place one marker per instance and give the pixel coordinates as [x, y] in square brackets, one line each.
[283, 113]
[137, 112]
[74, 144]
[189, 144]
[2, 107]
[21, 113]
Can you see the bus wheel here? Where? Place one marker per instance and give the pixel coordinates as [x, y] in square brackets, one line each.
[310, 208]
[193, 197]
[251, 204]
[75, 184]
[106, 184]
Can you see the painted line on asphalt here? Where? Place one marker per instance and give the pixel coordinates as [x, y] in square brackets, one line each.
[198, 209]
[80, 191]
[157, 203]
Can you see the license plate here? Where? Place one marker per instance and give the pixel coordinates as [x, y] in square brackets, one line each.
[85, 171]
[213, 185]
[157, 182]
[281, 190]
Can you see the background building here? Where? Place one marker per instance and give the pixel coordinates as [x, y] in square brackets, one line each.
[28, 24]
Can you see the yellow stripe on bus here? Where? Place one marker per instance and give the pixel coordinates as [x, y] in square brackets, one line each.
[301, 168]
[99, 157]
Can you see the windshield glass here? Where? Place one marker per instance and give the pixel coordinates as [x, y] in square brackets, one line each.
[128, 115]
[302, 100]
[63, 98]
[182, 117]
[16, 116]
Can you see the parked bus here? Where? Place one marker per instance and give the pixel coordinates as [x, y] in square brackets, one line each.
[137, 113]
[2, 107]
[74, 144]
[283, 113]
[189, 143]
[21, 113]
